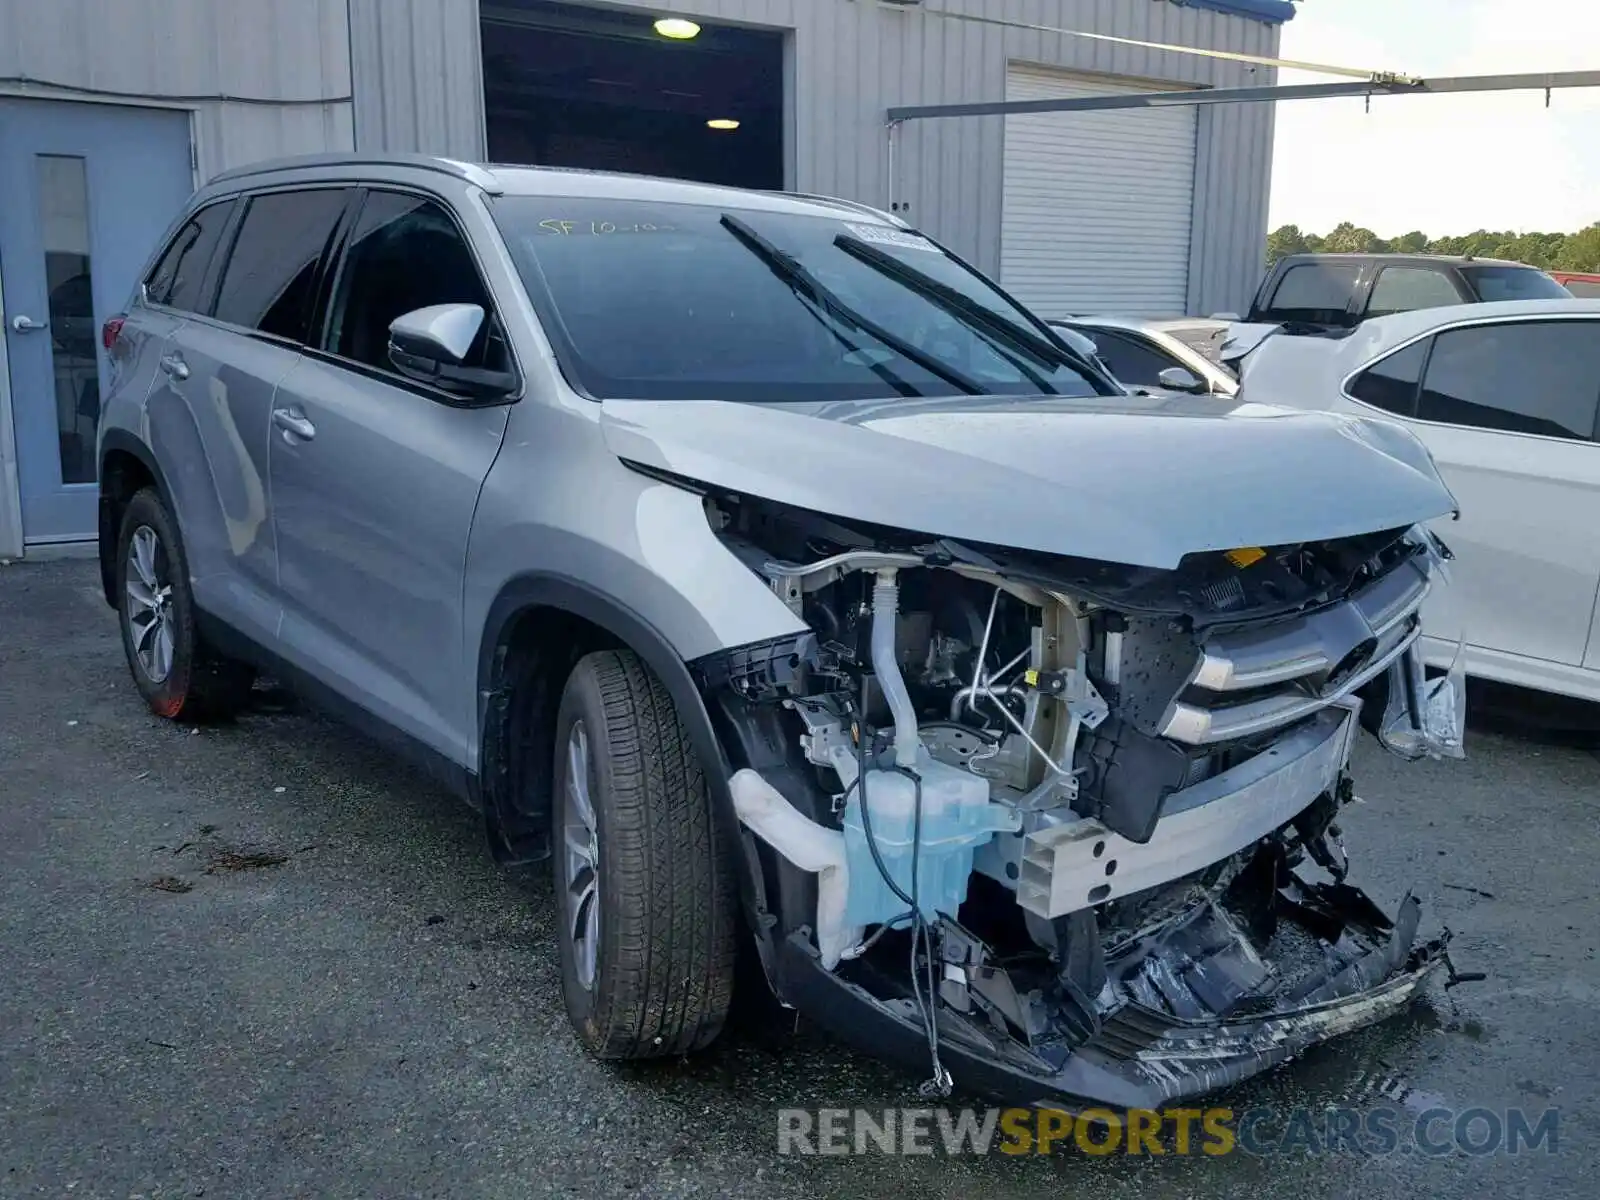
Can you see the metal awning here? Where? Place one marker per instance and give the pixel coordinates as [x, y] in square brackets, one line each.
[1380, 85]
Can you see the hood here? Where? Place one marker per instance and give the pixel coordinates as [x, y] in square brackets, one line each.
[1141, 480]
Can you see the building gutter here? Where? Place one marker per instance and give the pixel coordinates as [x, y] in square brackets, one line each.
[1274, 12]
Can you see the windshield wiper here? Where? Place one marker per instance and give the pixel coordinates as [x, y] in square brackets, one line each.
[789, 269]
[1035, 346]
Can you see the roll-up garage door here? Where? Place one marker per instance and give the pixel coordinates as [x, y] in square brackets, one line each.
[1098, 205]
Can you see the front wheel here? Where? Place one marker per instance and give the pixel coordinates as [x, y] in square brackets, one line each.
[179, 676]
[644, 892]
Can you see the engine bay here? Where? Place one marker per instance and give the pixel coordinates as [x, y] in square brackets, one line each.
[1049, 810]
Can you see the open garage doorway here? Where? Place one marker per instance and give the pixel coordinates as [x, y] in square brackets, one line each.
[570, 85]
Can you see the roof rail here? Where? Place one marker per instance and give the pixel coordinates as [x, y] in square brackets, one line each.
[470, 172]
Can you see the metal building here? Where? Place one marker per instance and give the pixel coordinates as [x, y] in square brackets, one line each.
[112, 110]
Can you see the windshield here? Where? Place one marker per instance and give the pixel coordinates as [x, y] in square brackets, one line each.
[1513, 283]
[657, 301]
[1315, 292]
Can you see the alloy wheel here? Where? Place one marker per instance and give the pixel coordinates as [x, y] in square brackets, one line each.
[581, 847]
[149, 604]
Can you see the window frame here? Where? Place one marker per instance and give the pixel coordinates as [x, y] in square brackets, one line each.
[333, 274]
[230, 240]
[1462, 295]
[1432, 335]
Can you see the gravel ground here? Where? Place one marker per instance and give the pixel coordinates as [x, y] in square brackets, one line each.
[265, 960]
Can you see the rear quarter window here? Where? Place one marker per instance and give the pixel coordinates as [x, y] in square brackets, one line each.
[180, 272]
[1391, 383]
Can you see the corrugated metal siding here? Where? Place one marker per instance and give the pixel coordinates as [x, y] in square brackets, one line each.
[419, 86]
[288, 62]
[420, 67]
[1098, 208]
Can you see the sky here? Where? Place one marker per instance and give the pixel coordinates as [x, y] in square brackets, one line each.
[1442, 164]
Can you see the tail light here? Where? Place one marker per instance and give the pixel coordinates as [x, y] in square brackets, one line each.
[110, 331]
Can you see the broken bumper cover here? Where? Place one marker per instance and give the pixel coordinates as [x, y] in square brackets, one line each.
[1141, 1057]
[1422, 717]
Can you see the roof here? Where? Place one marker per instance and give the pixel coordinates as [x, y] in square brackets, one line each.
[1157, 325]
[498, 179]
[1400, 256]
[1274, 11]
[1281, 366]
[1402, 327]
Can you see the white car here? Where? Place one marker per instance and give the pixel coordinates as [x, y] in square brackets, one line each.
[1507, 398]
[1144, 354]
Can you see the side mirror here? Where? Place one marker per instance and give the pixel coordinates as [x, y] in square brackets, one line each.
[430, 344]
[1180, 379]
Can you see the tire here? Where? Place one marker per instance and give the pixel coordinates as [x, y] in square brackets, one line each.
[185, 680]
[660, 980]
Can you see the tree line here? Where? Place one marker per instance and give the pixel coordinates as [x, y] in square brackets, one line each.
[1578, 251]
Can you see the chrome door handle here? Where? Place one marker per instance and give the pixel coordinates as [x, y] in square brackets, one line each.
[23, 323]
[295, 423]
[174, 366]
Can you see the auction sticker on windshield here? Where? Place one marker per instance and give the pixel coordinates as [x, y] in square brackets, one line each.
[883, 235]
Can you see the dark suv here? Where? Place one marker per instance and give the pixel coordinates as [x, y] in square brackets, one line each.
[1341, 290]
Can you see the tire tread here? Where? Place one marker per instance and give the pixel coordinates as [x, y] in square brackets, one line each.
[666, 976]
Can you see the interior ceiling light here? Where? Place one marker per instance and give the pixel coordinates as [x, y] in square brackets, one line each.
[678, 28]
[722, 123]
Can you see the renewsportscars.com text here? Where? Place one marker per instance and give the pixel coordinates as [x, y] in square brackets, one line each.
[1208, 1132]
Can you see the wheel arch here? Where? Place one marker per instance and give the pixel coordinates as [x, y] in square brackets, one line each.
[568, 602]
[564, 605]
[126, 466]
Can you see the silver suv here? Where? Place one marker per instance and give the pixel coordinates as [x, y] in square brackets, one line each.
[795, 590]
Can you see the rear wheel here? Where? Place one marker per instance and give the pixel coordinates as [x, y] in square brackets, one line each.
[644, 892]
[180, 677]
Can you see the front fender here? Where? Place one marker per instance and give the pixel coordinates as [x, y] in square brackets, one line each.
[637, 558]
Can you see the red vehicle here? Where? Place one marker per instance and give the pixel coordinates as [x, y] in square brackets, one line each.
[1585, 287]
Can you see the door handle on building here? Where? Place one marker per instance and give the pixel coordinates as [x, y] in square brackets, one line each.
[294, 422]
[23, 323]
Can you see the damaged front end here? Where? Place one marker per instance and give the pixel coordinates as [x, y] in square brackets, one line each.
[1069, 830]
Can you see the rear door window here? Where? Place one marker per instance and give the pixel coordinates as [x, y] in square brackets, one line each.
[1539, 377]
[180, 272]
[270, 282]
[1407, 289]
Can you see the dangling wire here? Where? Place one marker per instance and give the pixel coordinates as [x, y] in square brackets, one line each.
[940, 1085]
